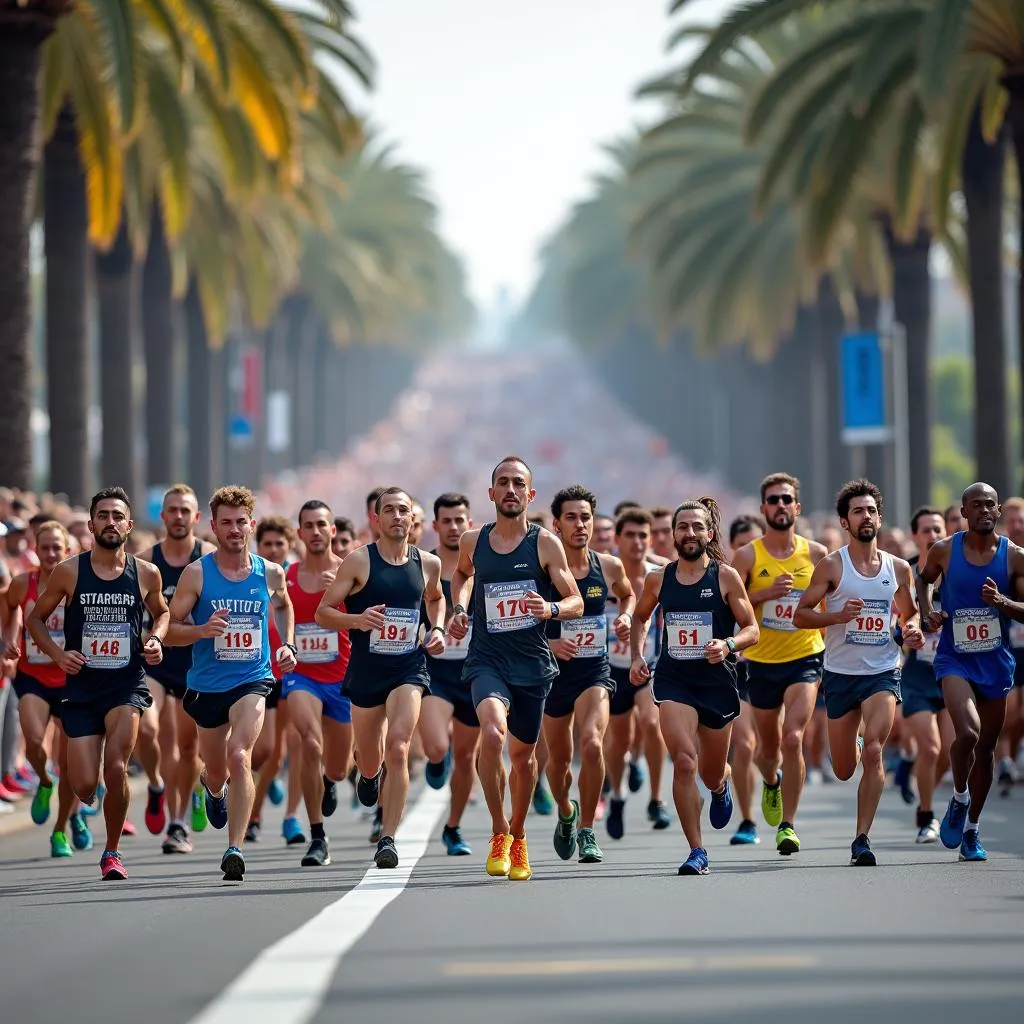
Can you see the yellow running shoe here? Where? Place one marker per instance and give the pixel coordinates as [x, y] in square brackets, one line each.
[771, 802]
[520, 870]
[498, 861]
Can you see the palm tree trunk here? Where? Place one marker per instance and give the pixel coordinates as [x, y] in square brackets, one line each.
[201, 442]
[67, 359]
[159, 332]
[21, 36]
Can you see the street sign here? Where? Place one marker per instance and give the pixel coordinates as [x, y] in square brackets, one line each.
[862, 386]
[240, 431]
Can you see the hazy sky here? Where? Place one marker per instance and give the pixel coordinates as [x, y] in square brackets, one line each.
[505, 105]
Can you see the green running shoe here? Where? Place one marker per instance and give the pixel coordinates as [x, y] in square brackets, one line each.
[590, 852]
[565, 833]
[199, 819]
[41, 803]
[544, 802]
[771, 802]
[787, 841]
[59, 845]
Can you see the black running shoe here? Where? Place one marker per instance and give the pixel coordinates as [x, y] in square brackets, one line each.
[317, 856]
[329, 803]
[386, 855]
[860, 853]
[368, 790]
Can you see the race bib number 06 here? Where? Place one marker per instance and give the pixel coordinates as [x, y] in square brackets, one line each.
[505, 606]
[976, 630]
[688, 633]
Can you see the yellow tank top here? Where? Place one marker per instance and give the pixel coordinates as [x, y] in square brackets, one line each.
[780, 640]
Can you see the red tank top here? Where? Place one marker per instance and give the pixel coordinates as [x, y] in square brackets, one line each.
[323, 654]
[32, 661]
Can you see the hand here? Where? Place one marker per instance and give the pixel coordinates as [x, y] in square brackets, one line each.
[640, 671]
[851, 609]
[433, 643]
[373, 618]
[458, 626]
[913, 637]
[216, 625]
[716, 651]
[71, 662]
[932, 622]
[285, 659]
[153, 651]
[621, 627]
[327, 578]
[990, 593]
[12, 650]
[780, 588]
[563, 649]
[537, 606]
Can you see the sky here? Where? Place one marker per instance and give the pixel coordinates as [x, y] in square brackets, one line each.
[505, 106]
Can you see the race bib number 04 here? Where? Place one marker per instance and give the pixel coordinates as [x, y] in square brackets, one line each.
[241, 641]
[688, 633]
[316, 646]
[871, 627]
[589, 634]
[107, 645]
[778, 614]
[976, 630]
[399, 634]
[505, 606]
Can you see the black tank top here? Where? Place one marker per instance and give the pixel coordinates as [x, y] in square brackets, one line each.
[507, 639]
[393, 653]
[103, 620]
[693, 615]
[447, 669]
[177, 660]
[590, 632]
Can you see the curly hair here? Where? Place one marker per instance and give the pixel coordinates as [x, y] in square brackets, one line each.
[233, 496]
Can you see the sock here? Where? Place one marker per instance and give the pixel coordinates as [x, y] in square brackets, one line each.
[317, 831]
[776, 783]
[785, 824]
[566, 820]
[970, 826]
[178, 821]
[155, 789]
[962, 798]
[328, 782]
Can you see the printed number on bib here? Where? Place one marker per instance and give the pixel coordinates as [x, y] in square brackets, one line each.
[926, 654]
[688, 633]
[241, 641]
[55, 627]
[505, 606]
[872, 626]
[618, 650]
[315, 645]
[399, 634]
[589, 634]
[456, 650]
[976, 630]
[778, 614]
[107, 645]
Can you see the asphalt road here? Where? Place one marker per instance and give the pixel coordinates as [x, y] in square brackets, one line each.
[803, 939]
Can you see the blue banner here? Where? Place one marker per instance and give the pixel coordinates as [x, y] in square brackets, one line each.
[862, 386]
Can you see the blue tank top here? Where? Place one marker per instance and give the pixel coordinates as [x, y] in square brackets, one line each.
[242, 654]
[974, 636]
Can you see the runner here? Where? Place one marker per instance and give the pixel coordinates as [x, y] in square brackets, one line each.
[179, 741]
[382, 586]
[317, 711]
[448, 722]
[103, 592]
[344, 540]
[419, 518]
[859, 585]
[581, 691]
[228, 595]
[603, 541]
[510, 666]
[784, 669]
[702, 601]
[974, 662]
[661, 533]
[1013, 730]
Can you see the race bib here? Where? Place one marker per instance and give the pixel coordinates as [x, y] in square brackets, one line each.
[976, 630]
[1017, 635]
[399, 634]
[55, 627]
[315, 645]
[505, 606]
[778, 614]
[590, 634]
[926, 654]
[241, 641]
[688, 633]
[872, 627]
[107, 645]
[456, 650]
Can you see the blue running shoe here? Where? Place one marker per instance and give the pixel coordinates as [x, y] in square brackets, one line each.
[615, 822]
[275, 792]
[901, 779]
[746, 835]
[233, 865]
[636, 777]
[81, 836]
[861, 855]
[720, 811]
[971, 848]
[454, 843]
[91, 810]
[436, 773]
[216, 806]
[292, 832]
[951, 831]
[696, 863]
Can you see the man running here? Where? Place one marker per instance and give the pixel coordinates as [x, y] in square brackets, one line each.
[603, 540]
[784, 669]
[860, 584]
[702, 602]
[661, 533]
[317, 711]
[344, 540]
[510, 666]
[581, 691]
[1013, 730]
[228, 594]
[974, 663]
[104, 592]
[383, 586]
[449, 705]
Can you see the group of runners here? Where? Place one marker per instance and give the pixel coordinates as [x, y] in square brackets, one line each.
[505, 653]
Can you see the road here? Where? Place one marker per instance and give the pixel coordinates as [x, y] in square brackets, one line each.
[803, 939]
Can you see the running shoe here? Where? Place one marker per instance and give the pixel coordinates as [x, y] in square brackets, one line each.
[636, 776]
[746, 834]
[81, 836]
[543, 801]
[771, 801]
[951, 831]
[176, 840]
[786, 840]
[129, 829]
[292, 832]
[520, 870]
[15, 785]
[233, 865]
[861, 855]
[9, 796]
[368, 790]
[90, 810]
[275, 792]
[927, 827]
[499, 861]
[386, 855]
[565, 833]
[901, 779]
[111, 868]
[971, 848]
[1007, 776]
[377, 828]
[657, 815]
[436, 772]
[199, 819]
[329, 801]
[615, 823]
[156, 810]
[720, 811]
[252, 832]
[696, 863]
[317, 855]
[59, 845]
[454, 843]
[216, 807]
[590, 852]
[41, 803]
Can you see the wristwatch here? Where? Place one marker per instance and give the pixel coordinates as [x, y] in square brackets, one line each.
[458, 610]
[291, 647]
[731, 644]
[440, 630]
[554, 609]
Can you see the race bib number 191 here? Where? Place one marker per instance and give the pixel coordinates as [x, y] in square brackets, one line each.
[399, 634]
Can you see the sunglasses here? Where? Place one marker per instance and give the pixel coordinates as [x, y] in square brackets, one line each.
[776, 499]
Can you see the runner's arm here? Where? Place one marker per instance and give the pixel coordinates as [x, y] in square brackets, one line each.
[284, 611]
[990, 592]
[181, 633]
[553, 561]
[643, 611]
[618, 584]
[743, 563]
[465, 570]
[433, 594]
[910, 622]
[935, 565]
[351, 573]
[59, 587]
[10, 637]
[741, 607]
[152, 587]
[807, 614]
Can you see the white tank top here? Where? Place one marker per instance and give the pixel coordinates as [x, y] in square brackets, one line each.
[865, 645]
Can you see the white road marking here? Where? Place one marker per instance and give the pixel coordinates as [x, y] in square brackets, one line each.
[630, 965]
[286, 983]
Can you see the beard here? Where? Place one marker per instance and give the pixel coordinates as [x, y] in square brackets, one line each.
[692, 550]
[781, 521]
[510, 511]
[866, 532]
[109, 543]
[984, 528]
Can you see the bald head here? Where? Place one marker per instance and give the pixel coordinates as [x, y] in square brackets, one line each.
[980, 508]
[979, 489]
